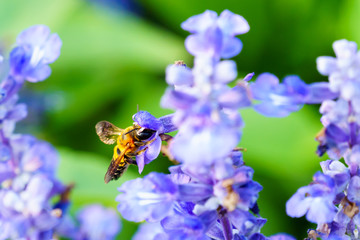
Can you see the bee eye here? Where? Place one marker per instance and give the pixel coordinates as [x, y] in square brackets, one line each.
[144, 134]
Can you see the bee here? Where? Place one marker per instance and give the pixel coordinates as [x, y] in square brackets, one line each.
[129, 143]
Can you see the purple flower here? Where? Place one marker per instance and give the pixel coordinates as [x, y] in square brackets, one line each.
[180, 227]
[36, 48]
[150, 198]
[150, 231]
[344, 70]
[315, 200]
[214, 36]
[205, 108]
[161, 125]
[338, 172]
[97, 222]
[281, 236]
[279, 100]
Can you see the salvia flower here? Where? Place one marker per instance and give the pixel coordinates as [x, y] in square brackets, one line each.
[332, 200]
[281, 99]
[213, 35]
[35, 49]
[161, 126]
[97, 222]
[211, 194]
[28, 166]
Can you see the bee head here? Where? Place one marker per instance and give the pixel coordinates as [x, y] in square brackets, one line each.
[143, 134]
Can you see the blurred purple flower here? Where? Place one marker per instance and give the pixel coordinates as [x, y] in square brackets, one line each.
[214, 36]
[97, 222]
[344, 70]
[36, 48]
[279, 100]
[150, 198]
[150, 231]
[315, 200]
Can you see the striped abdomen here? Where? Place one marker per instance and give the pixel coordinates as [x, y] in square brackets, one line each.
[116, 169]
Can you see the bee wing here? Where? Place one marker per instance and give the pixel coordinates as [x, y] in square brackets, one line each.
[117, 167]
[107, 132]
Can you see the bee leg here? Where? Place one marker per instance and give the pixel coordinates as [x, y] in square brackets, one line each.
[139, 144]
[141, 151]
[131, 161]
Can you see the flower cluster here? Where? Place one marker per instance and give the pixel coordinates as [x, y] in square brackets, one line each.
[332, 200]
[211, 194]
[28, 166]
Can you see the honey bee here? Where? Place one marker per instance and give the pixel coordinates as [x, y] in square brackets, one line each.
[129, 142]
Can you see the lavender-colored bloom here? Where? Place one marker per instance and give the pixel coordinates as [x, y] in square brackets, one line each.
[180, 227]
[316, 200]
[281, 236]
[338, 172]
[160, 125]
[150, 231]
[206, 108]
[214, 36]
[279, 100]
[344, 70]
[97, 222]
[36, 48]
[150, 198]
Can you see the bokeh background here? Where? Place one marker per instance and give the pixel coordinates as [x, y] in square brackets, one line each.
[114, 57]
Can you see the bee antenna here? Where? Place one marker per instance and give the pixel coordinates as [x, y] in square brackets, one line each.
[137, 107]
[131, 130]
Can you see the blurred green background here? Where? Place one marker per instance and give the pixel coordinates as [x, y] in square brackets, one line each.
[113, 58]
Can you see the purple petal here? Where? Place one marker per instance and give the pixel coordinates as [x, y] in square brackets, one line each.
[321, 211]
[209, 43]
[148, 231]
[336, 133]
[150, 198]
[350, 90]
[140, 162]
[97, 222]
[282, 236]
[225, 71]
[232, 24]
[326, 65]
[257, 236]
[201, 22]
[295, 86]
[298, 204]
[177, 100]
[319, 92]
[263, 85]
[354, 189]
[35, 35]
[153, 150]
[234, 98]
[271, 110]
[194, 192]
[344, 48]
[201, 147]
[18, 112]
[248, 77]
[52, 49]
[178, 75]
[39, 73]
[166, 124]
[231, 47]
[146, 120]
[178, 176]
[37, 193]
